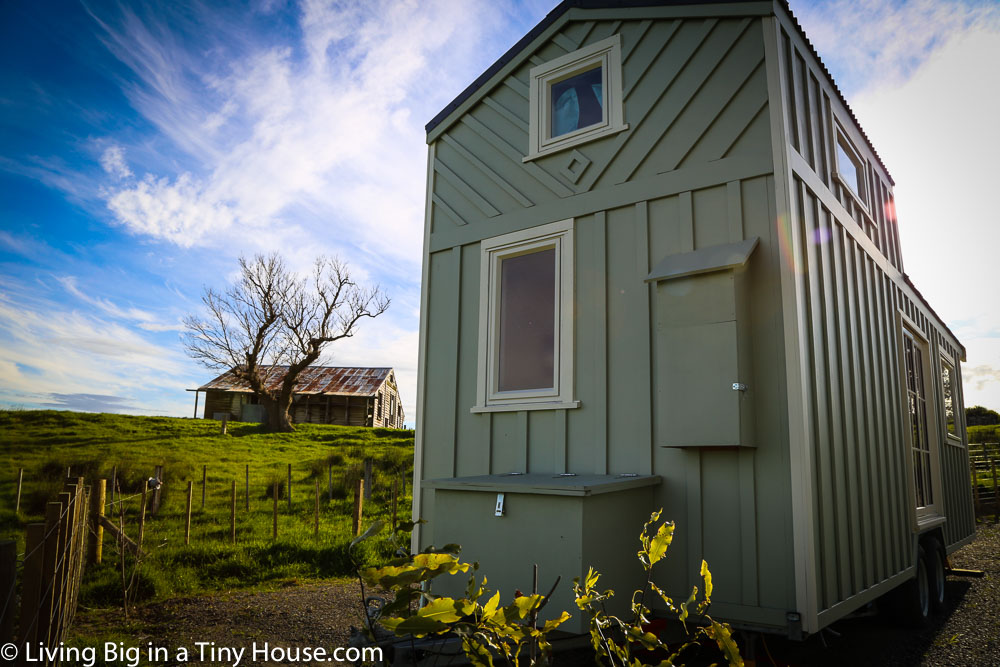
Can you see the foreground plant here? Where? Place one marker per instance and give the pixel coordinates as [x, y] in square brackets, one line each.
[629, 643]
[486, 629]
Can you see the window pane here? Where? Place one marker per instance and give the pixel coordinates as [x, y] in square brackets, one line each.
[949, 405]
[527, 321]
[849, 170]
[577, 102]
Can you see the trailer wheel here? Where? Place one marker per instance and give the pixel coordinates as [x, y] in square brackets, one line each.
[936, 574]
[910, 603]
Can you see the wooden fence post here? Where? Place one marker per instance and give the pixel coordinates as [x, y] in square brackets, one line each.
[996, 498]
[62, 567]
[8, 570]
[368, 479]
[232, 516]
[142, 517]
[274, 517]
[49, 582]
[20, 479]
[316, 532]
[204, 481]
[97, 498]
[359, 501]
[225, 424]
[248, 488]
[187, 514]
[31, 588]
[289, 489]
[395, 499]
[158, 475]
[975, 490]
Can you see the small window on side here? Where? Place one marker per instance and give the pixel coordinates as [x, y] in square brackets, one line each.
[851, 168]
[576, 98]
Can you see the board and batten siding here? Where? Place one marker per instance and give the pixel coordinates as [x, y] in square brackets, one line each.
[694, 171]
[843, 281]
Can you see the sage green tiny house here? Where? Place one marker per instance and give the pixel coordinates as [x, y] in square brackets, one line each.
[662, 269]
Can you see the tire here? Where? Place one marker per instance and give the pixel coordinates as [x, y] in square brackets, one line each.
[936, 575]
[910, 603]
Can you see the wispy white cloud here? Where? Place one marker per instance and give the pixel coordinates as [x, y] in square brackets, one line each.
[885, 41]
[46, 349]
[145, 319]
[113, 162]
[323, 137]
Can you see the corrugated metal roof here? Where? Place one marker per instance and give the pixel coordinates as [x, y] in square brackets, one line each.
[331, 380]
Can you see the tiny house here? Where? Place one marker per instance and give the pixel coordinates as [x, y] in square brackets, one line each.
[662, 268]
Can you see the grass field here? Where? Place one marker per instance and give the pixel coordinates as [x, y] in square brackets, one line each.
[46, 443]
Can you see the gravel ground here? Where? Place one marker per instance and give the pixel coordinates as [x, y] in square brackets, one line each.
[967, 634]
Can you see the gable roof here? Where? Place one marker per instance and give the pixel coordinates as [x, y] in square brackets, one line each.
[566, 5]
[325, 380]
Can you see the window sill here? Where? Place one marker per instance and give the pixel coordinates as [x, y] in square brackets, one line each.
[570, 142]
[954, 441]
[517, 407]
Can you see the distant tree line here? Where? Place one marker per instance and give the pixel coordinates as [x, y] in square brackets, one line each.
[977, 415]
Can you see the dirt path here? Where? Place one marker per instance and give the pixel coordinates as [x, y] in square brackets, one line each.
[312, 615]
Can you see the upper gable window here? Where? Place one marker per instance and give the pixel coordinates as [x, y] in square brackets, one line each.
[576, 98]
[851, 168]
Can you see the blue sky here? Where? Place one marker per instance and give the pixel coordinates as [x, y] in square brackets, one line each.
[144, 146]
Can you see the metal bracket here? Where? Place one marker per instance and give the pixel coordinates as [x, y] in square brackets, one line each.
[739, 386]
[499, 508]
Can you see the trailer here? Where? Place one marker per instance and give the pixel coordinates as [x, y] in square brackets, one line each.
[662, 268]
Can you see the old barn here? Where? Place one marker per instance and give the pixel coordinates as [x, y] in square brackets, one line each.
[323, 395]
[662, 268]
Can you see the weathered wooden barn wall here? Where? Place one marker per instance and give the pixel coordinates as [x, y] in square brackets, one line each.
[224, 402]
[845, 271]
[693, 172]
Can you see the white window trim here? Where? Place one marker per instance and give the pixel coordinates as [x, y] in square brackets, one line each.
[841, 139]
[607, 53]
[558, 235]
[919, 517]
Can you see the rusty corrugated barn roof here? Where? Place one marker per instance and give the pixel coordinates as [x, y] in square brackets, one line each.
[327, 380]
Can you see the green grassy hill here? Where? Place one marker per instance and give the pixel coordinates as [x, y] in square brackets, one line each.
[47, 443]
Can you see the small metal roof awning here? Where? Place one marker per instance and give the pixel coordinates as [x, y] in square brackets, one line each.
[544, 484]
[713, 258]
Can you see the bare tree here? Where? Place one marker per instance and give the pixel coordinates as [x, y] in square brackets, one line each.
[272, 318]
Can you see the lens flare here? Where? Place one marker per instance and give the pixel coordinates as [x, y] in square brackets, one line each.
[784, 229]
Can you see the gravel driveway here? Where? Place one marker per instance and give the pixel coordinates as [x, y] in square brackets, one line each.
[320, 614]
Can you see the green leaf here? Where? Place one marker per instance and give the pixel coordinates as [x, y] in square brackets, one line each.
[660, 542]
[707, 576]
[478, 655]
[372, 529]
[492, 604]
[418, 626]
[554, 623]
[446, 610]
[724, 638]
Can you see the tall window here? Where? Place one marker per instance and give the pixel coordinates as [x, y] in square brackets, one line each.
[576, 98]
[947, 391]
[916, 398]
[526, 335]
